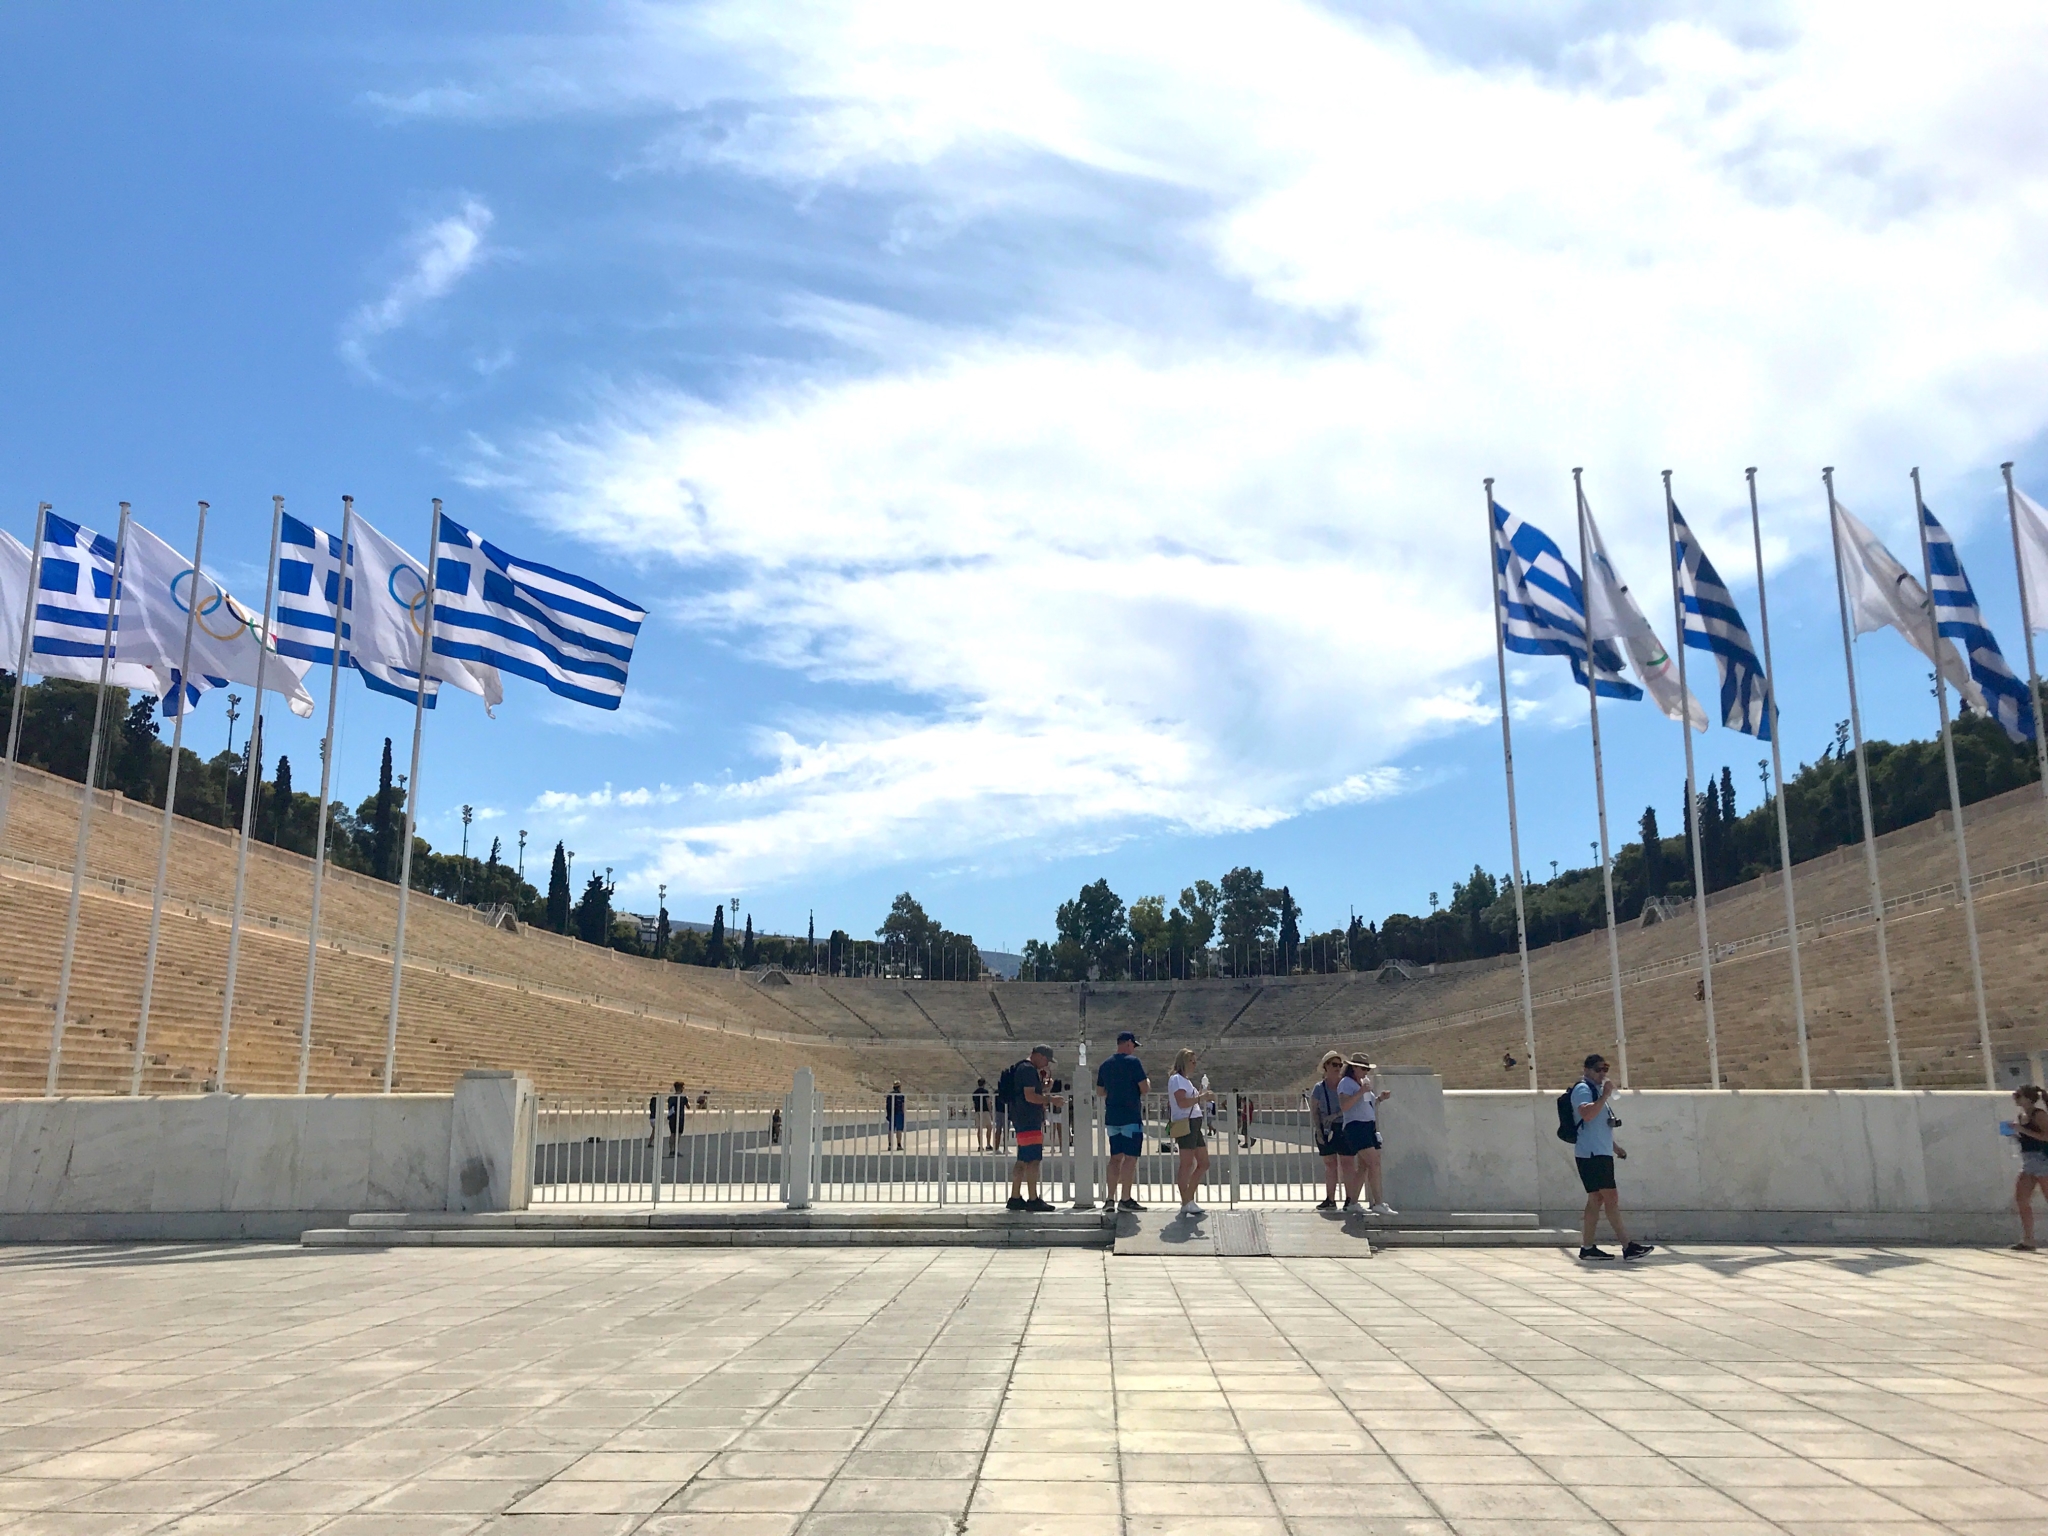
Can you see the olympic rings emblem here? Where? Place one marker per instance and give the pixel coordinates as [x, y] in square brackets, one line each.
[414, 604]
[219, 599]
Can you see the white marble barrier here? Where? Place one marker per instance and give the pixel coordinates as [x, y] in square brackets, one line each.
[1414, 1164]
[1762, 1166]
[236, 1165]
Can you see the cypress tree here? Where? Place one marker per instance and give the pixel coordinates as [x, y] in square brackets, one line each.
[714, 950]
[1731, 853]
[747, 951]
[661, 933]
[558, 889]
[1653, 854]
[380, 822]
[281, 812]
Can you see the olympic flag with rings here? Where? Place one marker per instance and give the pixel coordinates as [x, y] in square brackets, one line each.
[158, 587]
[385, 603]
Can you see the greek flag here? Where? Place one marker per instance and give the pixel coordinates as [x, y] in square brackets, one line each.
[310, 587]
[569, 635]
[1713, 625]
[73, 594]
[1958, 616]
[1543, 605]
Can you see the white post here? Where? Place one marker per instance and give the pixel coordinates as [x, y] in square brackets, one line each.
[1081, 1124]
[342, 604]
[1763, 616]
[92, 763]
[1507, 762]
[163, 842]
[1884, 970]
[251, 782]
[1600, 797]
[1955, 794]
[1692, 802]
[945, 1137]
[1230, 1129]
[2012, 512]
[28, 631]
[412, 792]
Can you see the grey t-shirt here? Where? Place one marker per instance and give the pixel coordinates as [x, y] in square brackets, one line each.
[1596, 1136]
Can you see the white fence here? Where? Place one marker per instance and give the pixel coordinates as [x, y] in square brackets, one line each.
[918, 1149]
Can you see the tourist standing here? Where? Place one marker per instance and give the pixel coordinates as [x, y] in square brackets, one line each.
[1362, 1139]
[1188, 1108]
[892, 1106]
[984, 1117]
[1595, 1155]
[1122, 1083]
[1326, 1103]
[2030, 1125]
[1030, 1097]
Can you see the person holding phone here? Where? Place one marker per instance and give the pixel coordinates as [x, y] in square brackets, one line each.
[1595, 1155]
[1187, 1106]
[2030, 1126]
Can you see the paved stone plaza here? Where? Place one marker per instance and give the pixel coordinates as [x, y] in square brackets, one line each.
[749, 1392]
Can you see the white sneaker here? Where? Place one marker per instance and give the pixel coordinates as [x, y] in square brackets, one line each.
[1384, 1209]
[1353, 1205]
[1192, 1209]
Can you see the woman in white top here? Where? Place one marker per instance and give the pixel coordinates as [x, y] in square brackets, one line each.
[1362, 1136]
[1186, 1108]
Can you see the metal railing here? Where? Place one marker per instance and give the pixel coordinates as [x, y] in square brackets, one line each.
[938, 1151]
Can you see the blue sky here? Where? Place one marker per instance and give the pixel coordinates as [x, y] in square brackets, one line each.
[1048, 444]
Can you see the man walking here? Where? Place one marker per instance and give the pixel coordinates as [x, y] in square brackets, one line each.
[1595, 1155]
[984, 1117]
[892, 1104]
[1030, 1097]
[1122, 1083]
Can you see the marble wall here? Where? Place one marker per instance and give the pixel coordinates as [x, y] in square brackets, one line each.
[1762, 1166]
[216, 1155]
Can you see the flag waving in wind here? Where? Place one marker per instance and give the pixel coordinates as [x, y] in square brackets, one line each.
[382, 598]
[569, 635]
[1959, 617]
[74, 591]
[1884, 595]
[1612, 614]
[1713, 625]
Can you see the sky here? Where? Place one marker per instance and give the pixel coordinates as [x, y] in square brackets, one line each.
[1048, 440]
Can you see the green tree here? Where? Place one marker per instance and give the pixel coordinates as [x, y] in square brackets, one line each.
[1653, 853]
[135, 768]
[594, 912]
[1246, 913]
[281, 804]
[1290, 932]
[1093, 923]
[384, 842]
[749, 955]
[714, 947]
[558, 882]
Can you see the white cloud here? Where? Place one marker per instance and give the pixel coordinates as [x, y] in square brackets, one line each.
[438, 256]
[1131, 572]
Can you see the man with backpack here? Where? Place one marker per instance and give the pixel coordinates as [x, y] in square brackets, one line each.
[1023, 1090]
[1585, 1119]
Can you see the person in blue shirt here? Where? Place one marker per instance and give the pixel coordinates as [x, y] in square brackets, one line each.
[892, 1103]
[1595, 1154]
[1122, 1083]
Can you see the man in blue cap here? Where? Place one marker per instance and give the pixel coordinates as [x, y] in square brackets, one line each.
[1122, 1083]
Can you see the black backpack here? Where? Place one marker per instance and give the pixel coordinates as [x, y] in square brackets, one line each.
[1567, 1117]
[1010, 1092]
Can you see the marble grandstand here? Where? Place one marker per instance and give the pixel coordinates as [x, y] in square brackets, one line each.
[583, 1019]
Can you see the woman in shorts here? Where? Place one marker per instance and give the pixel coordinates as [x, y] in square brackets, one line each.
[1326, 1105]
[2030, 1125]
[1186, 1111]
[1362, 1137]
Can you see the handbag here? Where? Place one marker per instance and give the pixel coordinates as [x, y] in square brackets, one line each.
[1177, 1128]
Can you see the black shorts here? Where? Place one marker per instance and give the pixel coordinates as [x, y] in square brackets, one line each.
[1595, 1173]
[1194, 1140]
[1333, 1145]
[1361, 1136]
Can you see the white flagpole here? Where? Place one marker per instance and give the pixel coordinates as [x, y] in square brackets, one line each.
[28, 631]
[412, 793]
[163, 842]
[1507, 762]
[1955, 794]
[1763, 616]
[1600, 797]
[341, 606]
[2012, 512]
[92, 763]
[1692, 799]
[1884, 968]
[250, 782]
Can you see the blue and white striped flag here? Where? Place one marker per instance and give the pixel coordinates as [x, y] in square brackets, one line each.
[73, 593]
[1958, 616]
[1543, 605]
[309, 589]
[1713, 625]
[569, 635]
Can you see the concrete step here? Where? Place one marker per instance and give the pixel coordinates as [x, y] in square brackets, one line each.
[763, 1228]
